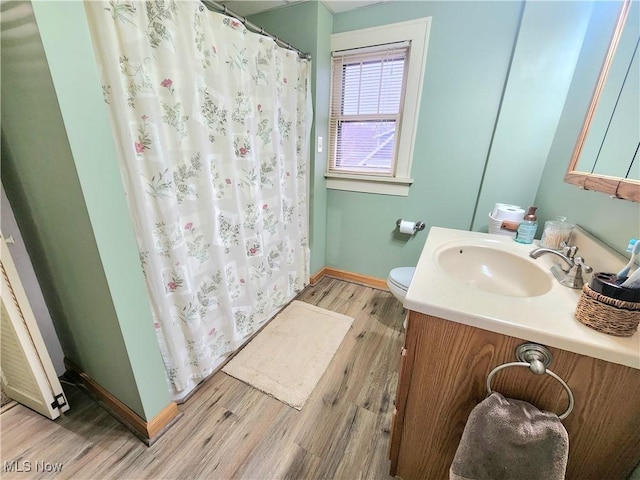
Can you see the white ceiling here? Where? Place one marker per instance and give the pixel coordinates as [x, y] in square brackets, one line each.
[249, 7]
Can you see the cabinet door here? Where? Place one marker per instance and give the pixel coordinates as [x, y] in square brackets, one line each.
[28, 375]
[402, 391]
[448, 375]
[396, 420]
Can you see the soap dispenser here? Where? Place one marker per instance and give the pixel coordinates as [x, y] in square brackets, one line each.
[528, 228]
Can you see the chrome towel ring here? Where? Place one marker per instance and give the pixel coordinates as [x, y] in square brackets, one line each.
[537, 358]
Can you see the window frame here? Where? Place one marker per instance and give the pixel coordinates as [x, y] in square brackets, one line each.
[417, 32]
[341, 111]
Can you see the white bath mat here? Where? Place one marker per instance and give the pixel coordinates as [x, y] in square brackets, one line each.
[288, 357]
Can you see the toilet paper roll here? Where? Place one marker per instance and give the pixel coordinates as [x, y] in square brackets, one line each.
[511, 213]
[499, 206]
[407, 227]
[494, 212]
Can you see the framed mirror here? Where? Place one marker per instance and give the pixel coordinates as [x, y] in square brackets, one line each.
[606, 157]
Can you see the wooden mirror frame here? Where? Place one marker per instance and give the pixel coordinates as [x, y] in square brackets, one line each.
[618, 187]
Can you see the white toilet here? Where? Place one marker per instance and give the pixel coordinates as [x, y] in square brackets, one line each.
[399, 280]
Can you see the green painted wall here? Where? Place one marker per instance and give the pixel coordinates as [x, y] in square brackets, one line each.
[323, 90]
[308, 27]
[42, 185]
[614, 221]
[547, 48]
[61, 174]
[468, 58]
[497, 77]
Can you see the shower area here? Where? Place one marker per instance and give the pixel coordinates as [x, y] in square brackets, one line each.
[211, 122]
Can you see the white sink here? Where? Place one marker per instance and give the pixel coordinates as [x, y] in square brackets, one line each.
[493, 270]
[490, 282]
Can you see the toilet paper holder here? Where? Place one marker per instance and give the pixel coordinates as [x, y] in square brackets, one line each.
[418, 227]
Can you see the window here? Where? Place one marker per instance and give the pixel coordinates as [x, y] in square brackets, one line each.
[366, 104]
[375, 96]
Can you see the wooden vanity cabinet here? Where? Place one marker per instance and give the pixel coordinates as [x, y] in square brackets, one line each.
[443, 377]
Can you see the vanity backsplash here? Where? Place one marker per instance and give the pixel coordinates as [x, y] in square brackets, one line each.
[597, 254]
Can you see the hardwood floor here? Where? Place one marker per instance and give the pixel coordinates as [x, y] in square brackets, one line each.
[230, 430]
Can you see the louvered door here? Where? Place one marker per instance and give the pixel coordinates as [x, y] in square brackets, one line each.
[27, 372]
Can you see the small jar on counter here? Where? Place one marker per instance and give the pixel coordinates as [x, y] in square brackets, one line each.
[555, 232]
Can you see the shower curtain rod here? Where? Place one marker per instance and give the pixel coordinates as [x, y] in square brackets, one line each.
[251, 26]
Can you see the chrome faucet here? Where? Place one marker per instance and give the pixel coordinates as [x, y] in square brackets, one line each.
[571, 276]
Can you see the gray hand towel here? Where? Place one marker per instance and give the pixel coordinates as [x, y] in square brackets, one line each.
[506, 439]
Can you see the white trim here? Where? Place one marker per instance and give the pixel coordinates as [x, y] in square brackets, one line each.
[369, 184]
[371, 49]
[417, 32]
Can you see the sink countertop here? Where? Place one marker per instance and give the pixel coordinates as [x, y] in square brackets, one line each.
[547, 319]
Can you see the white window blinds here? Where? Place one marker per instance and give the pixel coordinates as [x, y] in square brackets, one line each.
[367, 96]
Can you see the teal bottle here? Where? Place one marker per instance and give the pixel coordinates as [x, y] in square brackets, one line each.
[528, 228]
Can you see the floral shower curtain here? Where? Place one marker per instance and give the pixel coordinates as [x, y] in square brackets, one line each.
[212, 124]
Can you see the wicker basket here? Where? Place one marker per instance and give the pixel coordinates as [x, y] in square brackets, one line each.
[606, 314]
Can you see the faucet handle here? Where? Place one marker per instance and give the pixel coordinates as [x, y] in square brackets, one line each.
[573, 277]
[585, 268]
[569, 250]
